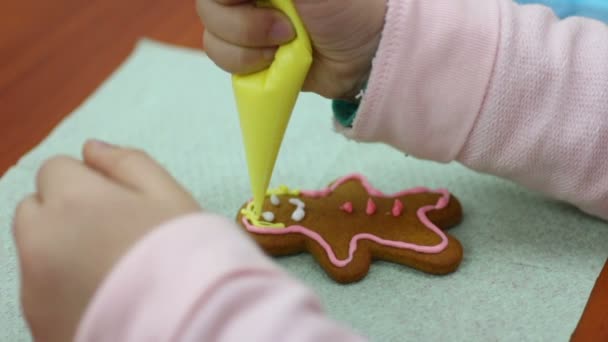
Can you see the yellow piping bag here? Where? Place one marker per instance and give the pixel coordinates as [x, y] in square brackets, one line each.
[265, 101]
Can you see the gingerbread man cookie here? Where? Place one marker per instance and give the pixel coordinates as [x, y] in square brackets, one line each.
[350, 223]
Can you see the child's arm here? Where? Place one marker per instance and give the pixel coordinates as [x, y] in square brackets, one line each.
[199, 278]
[505, 89]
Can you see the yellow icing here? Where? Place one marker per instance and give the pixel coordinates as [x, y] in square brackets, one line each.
[250, 214]
[265, 100]
[283, 190]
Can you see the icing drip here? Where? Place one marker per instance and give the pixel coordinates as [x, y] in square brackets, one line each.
[397, 208]
[297, 202]
[268, 216]
[298, 214]
[347, 207]
[371, 207]
[274, 199]
[442, 202]
[249, 214]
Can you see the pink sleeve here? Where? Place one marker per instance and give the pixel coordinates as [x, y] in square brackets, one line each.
[505, 89]
[199, 278]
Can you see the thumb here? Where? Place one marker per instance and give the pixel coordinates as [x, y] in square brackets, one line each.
[132, 168]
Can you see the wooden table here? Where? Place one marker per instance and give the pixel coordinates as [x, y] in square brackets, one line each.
[593, 325]
[54, 54]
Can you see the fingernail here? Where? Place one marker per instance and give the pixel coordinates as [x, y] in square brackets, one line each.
[100, 143]
[281, 32]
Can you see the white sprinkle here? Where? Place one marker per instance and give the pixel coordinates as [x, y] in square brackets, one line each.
[297, 202]
[298, 214]
[268, 216]
[274, 199]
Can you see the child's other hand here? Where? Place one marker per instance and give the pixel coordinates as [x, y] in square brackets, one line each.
[82, 219]
[241, 38]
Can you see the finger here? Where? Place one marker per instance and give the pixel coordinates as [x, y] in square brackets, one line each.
[245, 24]
[24, 218]
[56, 173]
[26, 232]
[235, 59]
[131, 168]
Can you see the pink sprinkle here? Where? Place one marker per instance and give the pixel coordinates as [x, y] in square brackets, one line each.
[397, 208]
[347, 207]
[371, 207]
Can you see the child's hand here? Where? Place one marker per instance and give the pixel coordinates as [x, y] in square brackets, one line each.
[82, 219]
[241, 38]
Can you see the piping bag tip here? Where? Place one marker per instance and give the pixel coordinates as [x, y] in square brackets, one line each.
[265, 101]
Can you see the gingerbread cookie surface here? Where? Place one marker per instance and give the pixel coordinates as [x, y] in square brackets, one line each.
[350, 223]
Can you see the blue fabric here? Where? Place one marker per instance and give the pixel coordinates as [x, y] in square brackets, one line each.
[596, 9]
[345, 112]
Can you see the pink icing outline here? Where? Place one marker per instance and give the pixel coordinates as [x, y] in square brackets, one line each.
[442, 202]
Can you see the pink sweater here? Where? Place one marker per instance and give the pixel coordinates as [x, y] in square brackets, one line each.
[503, 89]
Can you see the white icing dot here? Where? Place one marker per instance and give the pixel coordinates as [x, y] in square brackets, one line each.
[298, 214]
[297, 202]
[274, 199]
[268, 216]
